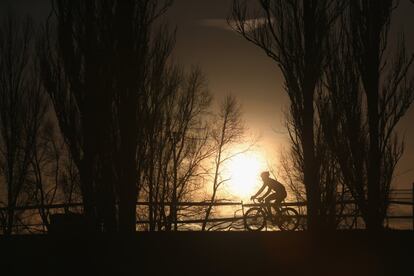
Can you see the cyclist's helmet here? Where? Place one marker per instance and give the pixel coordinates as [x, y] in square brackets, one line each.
[265, 174]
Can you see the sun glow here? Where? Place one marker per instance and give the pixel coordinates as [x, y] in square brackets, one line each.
[244, 173]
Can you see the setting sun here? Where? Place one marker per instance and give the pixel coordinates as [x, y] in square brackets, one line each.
[244, 173]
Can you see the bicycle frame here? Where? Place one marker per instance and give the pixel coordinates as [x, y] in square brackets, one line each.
[264, 206]
[281, 218]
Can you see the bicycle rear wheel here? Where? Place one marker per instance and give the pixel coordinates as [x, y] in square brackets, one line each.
[288, 219]
[255, 219]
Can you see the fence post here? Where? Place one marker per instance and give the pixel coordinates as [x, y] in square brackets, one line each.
[356, 210]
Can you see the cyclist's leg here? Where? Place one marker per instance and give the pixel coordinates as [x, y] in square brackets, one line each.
[279, 199]
[268, 200]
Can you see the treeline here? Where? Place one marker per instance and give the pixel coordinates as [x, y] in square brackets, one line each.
[348, 88]
[94, 109]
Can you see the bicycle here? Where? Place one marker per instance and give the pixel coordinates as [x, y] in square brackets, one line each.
[286, 218]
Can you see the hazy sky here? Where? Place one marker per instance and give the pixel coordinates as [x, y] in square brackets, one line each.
[232, 65]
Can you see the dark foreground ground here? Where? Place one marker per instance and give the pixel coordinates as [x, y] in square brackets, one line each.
[216, 253]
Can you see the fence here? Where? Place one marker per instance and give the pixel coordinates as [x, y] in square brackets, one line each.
[402, 209]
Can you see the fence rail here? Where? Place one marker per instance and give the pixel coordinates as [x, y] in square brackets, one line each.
[189, 204]
[400, 199]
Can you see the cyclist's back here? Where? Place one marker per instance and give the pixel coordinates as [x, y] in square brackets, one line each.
[276, 186]
[279, 191]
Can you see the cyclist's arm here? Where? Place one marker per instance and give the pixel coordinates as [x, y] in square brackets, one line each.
[267, 192]
[259, 191]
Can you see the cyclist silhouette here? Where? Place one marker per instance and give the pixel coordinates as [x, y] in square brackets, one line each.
[278, 195]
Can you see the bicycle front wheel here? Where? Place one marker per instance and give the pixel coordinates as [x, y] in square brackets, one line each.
[289, 219]
[255, 219]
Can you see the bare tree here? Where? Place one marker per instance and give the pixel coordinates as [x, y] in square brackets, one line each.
[229, 131]
[176, 142]
[46, 168]
[188, 136]
[374, 92]
[331, 188]
[293, 34]
[134, 20]
[74, 96]
[94, 62]
[22, 112]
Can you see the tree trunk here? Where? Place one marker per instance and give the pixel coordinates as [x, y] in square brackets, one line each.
[371, 85]
[87, 191]
[374, 206]
[130, 80]
[311, 182]
[128, 191]
[311, 74]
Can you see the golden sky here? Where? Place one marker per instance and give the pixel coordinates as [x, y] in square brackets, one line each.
[232, 65]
